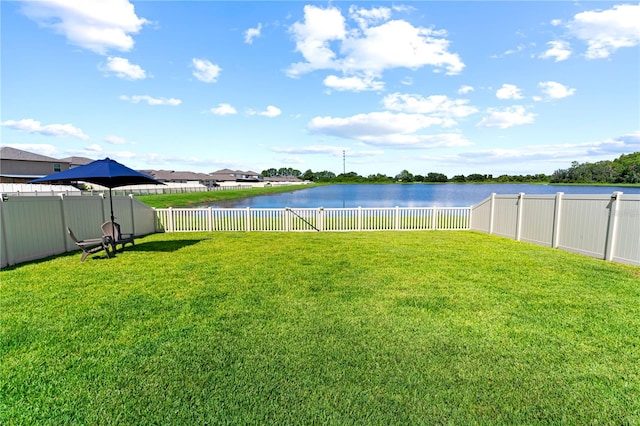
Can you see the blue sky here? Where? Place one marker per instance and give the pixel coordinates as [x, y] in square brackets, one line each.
[451, 87]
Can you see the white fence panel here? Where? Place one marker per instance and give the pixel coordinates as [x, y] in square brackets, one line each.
[32, 228]
[506, 208]
[481, 216]
[35, 227]
[626, 247]
[599, 225]
[537, 219]
[584, 223]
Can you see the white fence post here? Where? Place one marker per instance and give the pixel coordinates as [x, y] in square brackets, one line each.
[133, 217]
[519, 215]
[248, 219]
[434, 217]
[170, 220]
[3, 230]
[63, 215]
[320, 219]
[102, 199]
[612, 225]
[397, 219]
[555, 238]
[359, 218]
[210, 219]
[492, 212]
[287, 219]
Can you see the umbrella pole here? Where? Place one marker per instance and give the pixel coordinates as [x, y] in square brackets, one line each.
[113, 225]
[111, 204]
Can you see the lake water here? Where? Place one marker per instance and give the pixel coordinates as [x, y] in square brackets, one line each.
[416, 195]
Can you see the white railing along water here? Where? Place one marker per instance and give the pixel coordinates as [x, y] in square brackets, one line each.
[313, 219]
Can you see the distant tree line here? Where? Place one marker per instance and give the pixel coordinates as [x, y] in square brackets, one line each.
[625, 169]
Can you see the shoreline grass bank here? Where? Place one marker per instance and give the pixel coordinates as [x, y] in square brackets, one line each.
[191, 199]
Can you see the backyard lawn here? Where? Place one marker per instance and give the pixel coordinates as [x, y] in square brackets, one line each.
[383, 328]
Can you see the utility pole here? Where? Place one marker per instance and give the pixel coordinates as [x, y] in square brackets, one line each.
[344, 163]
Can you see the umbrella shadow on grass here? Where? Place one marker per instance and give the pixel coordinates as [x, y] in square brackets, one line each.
[163, 246]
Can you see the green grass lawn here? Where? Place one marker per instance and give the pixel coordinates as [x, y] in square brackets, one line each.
[333, 328]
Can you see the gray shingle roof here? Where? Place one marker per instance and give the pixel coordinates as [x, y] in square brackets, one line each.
[9, 153]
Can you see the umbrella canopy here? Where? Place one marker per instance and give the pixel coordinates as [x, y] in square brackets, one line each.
[107, 172]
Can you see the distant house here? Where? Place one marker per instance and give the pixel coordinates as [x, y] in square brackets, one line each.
[228, 175]
[18, 166]
[77, 161]
[171, 176]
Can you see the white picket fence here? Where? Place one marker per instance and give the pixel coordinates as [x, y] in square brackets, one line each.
[313, 219]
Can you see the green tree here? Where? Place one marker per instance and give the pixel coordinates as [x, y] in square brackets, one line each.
[404, 176]
[436, 177]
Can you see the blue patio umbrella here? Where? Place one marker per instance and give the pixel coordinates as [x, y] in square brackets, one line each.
[107, 173]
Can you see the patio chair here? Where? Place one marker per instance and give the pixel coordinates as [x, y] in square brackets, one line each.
[111, 230]
[90, 246]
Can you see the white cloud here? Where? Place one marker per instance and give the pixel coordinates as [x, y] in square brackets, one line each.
[565, 153]
[353, 84]
[205, 71]
[606, 31]
[417, 141]
[436, 105]
[558, 50]
[407, 81]
[320, 27]
[334, 151]
[30, 125]
[91, 24]
[507, 117]
[463, 90]
[116, 140]
[398, 44]
[313, 150]
[555, 90]
[252, 33]
[122, 68]
[508, 91]
[395, 130]
[271, 112]
[375, 45]
[151, 100]
[223, 109]
[93, 148]
[367, 17]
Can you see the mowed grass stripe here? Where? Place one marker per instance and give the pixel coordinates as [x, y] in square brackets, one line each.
[333, 328]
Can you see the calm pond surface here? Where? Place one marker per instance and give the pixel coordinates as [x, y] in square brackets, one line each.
[407, 195]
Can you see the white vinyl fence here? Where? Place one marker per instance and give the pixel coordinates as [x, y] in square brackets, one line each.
[36, 227]
[598, 225]
[602, 226]
[313, 219]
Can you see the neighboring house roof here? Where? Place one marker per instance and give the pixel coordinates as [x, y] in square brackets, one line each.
[227, 175]
[9, 153]
[77, 161]
[282, 179]
[224, 175]
[171, 175]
